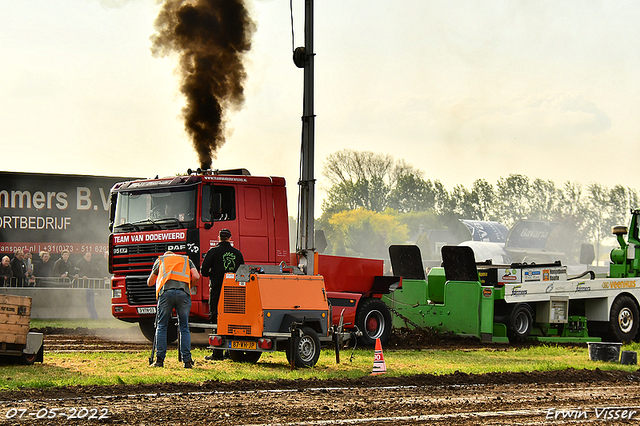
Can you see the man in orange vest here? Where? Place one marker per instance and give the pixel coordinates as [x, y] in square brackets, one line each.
[173, 275]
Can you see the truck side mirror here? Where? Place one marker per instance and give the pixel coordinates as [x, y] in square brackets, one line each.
[215, 205]
[112, 211]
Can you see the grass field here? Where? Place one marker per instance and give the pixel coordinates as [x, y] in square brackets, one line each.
[100, 368]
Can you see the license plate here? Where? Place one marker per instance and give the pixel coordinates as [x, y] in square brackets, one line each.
[151, 310]
[241, 344]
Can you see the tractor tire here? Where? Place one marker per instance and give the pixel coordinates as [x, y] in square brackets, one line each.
[306, 349]
[245, 356]
[520, 323]
[373, 319]
[149, 332]
[623, 320]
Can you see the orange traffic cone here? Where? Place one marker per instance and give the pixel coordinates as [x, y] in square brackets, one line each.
[379, 366]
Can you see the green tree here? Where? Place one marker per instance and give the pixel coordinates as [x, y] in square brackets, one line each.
[465, 203]
[374, 183]
[485, 198]
[600, 214]
[412, 193]
[371, 181]
[544, 201]
[512, 202]
[358, 179]
[364, 233]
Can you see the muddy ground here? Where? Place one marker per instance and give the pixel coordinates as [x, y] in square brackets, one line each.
[563, 397]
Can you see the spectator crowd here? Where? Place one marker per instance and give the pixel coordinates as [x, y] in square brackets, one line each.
[23, 270]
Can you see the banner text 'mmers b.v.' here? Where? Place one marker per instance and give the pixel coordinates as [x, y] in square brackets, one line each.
[54, 212]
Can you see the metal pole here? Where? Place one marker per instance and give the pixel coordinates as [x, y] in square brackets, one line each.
[307, 179]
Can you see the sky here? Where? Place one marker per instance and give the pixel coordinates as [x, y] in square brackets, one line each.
[462, 90]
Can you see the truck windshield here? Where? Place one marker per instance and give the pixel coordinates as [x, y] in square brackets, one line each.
[155, 209]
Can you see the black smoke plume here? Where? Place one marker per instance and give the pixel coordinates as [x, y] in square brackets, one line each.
[211, 38]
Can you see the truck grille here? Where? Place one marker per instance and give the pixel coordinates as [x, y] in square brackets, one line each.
[138, 292]
[234, 300]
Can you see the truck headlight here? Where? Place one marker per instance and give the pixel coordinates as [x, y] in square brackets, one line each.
[116, 293]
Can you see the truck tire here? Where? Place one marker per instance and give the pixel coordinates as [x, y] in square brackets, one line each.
[623, 320]
[149, 332]
[306, 349]
[245, 356]
[373, 319]
[520, 323]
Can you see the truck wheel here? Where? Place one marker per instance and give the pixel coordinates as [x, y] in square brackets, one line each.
[623, 320]
[306, 348]
[149, 332]
[245, 356]
[520, 323]
[374, 320]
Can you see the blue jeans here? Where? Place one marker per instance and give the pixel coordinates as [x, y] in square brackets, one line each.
[181, 302]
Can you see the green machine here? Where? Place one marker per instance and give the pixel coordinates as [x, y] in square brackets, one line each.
[452, 299]
[478, 300]
[516, 302]
[626, 259]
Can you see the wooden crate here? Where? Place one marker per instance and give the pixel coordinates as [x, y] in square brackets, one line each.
[15, 315]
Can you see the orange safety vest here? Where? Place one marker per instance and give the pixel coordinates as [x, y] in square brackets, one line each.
[173, 267]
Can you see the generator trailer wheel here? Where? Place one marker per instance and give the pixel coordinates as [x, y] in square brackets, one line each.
[306, 348]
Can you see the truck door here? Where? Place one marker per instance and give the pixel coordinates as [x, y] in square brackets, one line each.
[226, 218]
[253, 224]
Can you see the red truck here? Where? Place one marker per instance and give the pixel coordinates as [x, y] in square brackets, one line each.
[185, 213]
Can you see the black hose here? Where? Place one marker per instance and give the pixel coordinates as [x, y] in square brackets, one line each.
[593, 275]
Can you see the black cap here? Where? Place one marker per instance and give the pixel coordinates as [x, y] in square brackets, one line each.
[225, 233]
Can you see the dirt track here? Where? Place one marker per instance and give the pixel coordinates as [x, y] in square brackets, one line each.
[458, 399]
[567, 397]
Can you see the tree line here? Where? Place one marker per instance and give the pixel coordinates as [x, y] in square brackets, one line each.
[374, 200]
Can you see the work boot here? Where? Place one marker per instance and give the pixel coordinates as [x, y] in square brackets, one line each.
[159, 363]
[188, 364]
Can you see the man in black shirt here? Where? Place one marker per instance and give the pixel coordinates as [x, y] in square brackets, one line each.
[19, 268]
[63, 268]
[43, 268]
[84, 268]
[219, 260]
